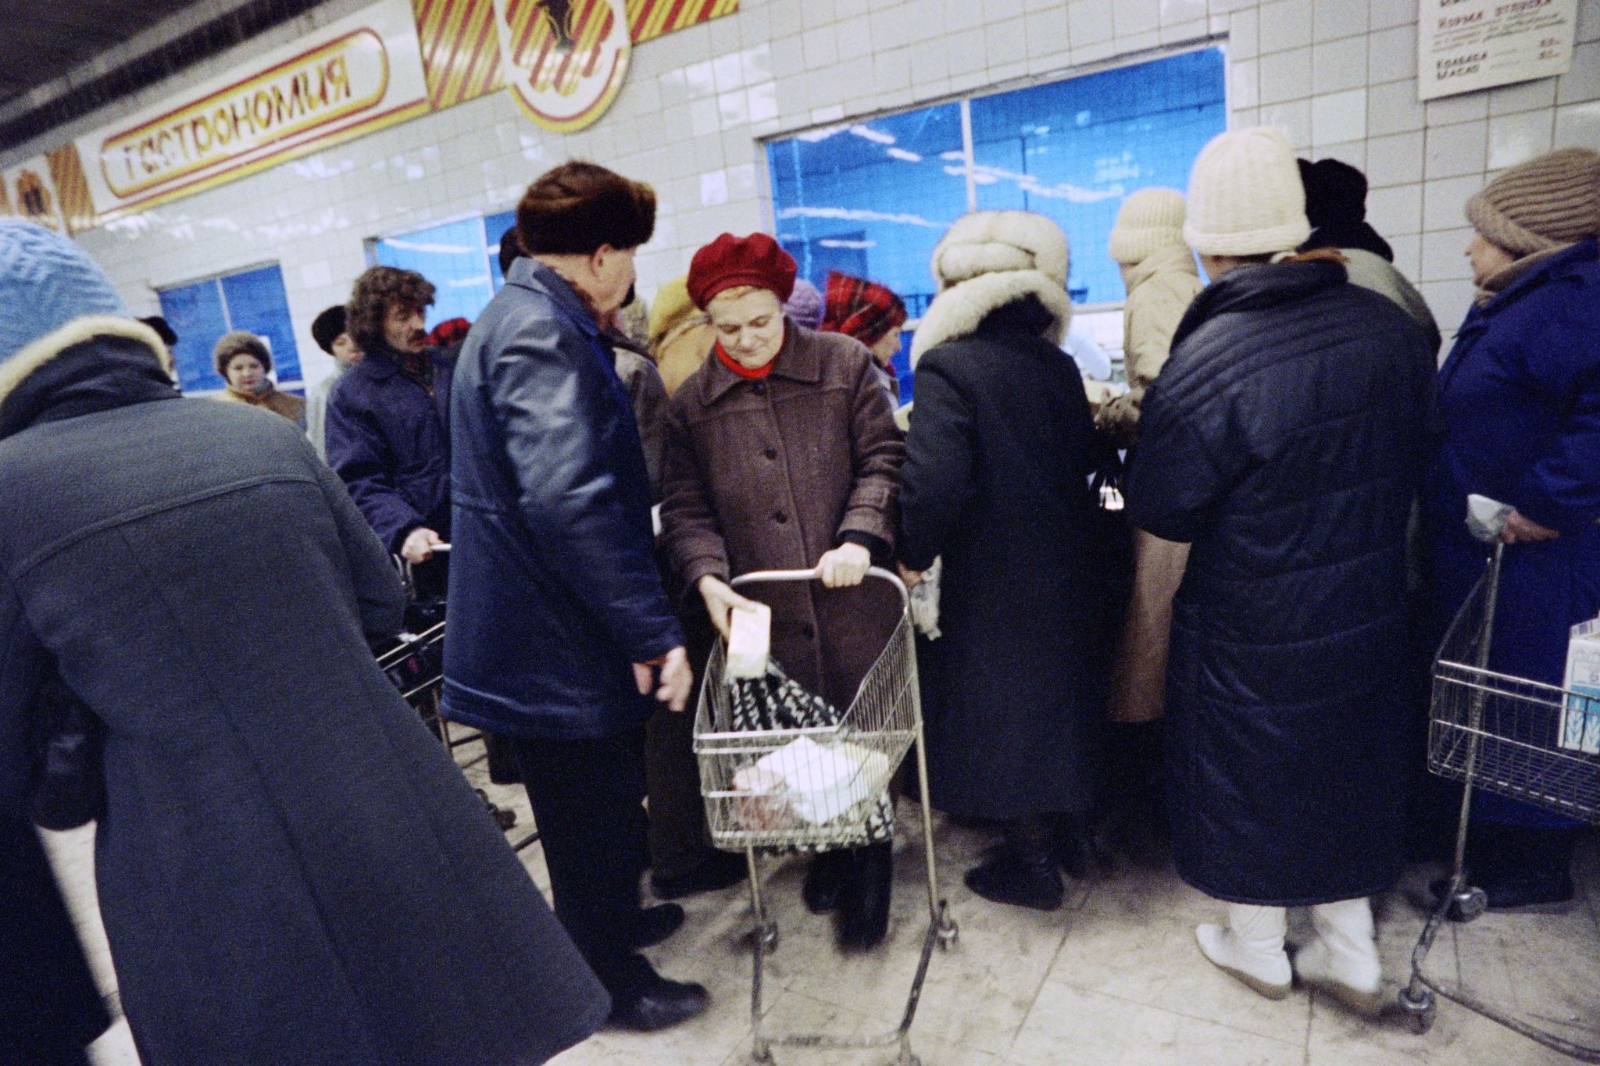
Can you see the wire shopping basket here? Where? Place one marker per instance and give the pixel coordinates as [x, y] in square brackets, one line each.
[817, 787]
[1509, 736]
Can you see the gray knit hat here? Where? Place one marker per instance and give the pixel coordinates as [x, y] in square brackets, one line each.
[1549, 201]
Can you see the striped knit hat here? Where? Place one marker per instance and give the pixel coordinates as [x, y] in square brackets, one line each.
[1149, 220]
[1549, 201]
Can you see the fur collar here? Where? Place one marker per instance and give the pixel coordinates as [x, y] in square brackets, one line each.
[957, 311]
[14, 371]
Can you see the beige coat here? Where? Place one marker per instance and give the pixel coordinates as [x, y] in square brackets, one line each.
[681, 351]
[279, 403]
[1160, 290]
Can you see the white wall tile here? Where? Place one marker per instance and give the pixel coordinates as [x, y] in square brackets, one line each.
[1090, 22]
[1516, 138]
[1333, 19]
[1393, 108]
[1285, 24]
[1395, 159]
[1455, 150]
[1444, 255]
[1285, 75]
[1384, 14]
[1006, 42]
[1339, 65]
[1294, 119]
[1129, 17]
[1578, 126]
[1392, 55]
[1407, 248]
[1352, 152]
[1444, 201]
[1000, 10]
[1046, 32]
[1396, 209]
[1589, 20]
[1464, 108]
[1449, 301]
[1178, 12]
[1339, 117]
[1582, 82]
[1244, 34]
[1528, 96]
[1243, 84]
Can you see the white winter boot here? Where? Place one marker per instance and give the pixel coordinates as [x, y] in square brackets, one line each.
[1343, 959]
[1250, 947]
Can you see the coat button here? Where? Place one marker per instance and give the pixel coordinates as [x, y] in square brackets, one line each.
[771, 453]
[760, 388]
[779, 517]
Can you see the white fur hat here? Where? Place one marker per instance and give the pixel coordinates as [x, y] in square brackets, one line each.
[988, 242]
[1245, 196]
[1149, 220]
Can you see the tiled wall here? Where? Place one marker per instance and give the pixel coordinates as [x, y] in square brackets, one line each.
[1338, 75]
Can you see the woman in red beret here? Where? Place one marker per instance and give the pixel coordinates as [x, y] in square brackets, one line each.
[782, 454]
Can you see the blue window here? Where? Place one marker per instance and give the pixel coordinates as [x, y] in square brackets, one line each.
[873, 198]
[494, 228]
[451, 256]
[202, 311]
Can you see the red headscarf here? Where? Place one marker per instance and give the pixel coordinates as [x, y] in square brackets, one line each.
[861, 309]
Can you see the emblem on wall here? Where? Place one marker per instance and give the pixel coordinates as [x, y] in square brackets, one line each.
[566, 59]
[34, 201]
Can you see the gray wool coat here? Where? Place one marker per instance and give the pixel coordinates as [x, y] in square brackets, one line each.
[291, 870]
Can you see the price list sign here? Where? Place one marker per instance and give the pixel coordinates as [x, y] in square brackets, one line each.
[1466, 45]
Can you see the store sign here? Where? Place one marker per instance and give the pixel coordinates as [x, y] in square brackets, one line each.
[348, 79]
[566, 59]
[1466, 45]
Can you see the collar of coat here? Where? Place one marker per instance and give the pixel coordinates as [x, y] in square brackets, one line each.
[535, 276]
[959, 310]
[1175, 258]
[1259, 286]
[17, 369]
[800, 359]
[1532, 270]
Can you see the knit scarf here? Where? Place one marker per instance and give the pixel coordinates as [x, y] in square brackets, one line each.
[745, 372]
[418, 366]
[1502, 279]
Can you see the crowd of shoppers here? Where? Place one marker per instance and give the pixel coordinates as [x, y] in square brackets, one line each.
[290, 856]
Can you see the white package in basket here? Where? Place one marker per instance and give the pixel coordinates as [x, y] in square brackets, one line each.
[819, 783]
[1580, 718]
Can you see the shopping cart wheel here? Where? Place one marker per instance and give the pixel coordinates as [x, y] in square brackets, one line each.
[949, 934]
[1419, 1011]
[769, 936]
[761, 1054]
[1468, 904]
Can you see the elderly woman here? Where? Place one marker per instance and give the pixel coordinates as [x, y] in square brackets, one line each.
[1520, 398]
[999, 456]
[782, 453]
[244, 363]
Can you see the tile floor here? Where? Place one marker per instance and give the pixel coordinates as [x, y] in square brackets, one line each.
[1111, 978]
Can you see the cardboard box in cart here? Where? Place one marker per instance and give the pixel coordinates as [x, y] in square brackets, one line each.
[1580, 720]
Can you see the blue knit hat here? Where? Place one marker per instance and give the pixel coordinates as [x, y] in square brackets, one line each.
[46, 281]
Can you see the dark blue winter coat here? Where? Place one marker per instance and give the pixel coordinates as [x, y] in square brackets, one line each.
[1520, 399]
[389, 440]
[554, 590]
[1284, 439]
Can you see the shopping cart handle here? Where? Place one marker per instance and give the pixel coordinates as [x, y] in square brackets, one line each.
[815, 574]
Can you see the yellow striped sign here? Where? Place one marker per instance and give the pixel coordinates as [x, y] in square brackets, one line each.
[649, 19]
[72, 188]
[460, 49]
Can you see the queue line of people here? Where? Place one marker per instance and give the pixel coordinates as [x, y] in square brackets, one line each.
[1281, 424]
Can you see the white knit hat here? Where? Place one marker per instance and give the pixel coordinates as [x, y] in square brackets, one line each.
[987, 242]
[1245, 196]
[1150, 220]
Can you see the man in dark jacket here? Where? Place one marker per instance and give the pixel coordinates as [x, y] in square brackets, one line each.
[559, 630]
[1284, 441]
[291, 870]
[388, 431]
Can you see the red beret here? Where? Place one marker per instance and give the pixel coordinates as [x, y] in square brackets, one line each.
[728, 261]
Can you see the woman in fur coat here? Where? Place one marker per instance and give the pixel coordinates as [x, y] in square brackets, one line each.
[996, 482]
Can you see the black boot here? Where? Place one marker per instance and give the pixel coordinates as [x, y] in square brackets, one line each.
[824, 880]
[864, 896]
[1074, 845]
[1023, 873]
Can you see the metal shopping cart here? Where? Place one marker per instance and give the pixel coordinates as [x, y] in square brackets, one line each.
[415, 666]
[1499, 734]
[870, 740]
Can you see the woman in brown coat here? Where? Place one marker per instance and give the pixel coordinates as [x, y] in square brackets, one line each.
[782, 453]
[244, 363]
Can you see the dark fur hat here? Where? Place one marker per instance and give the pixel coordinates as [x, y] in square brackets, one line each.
[577, 207]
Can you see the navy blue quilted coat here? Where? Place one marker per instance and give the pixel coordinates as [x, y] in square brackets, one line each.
[1284, 439]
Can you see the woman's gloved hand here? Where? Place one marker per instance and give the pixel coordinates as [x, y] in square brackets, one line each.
[845, 566]
[720, 601]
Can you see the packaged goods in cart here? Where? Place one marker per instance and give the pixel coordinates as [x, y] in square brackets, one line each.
[818, 783]
[749, 641]
[1580, 718]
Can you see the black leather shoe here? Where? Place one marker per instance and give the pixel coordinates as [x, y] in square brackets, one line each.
[658, 1004]
[1023, 872]
[656, 924]
[722, 870]
[864, 897]
[824, 880]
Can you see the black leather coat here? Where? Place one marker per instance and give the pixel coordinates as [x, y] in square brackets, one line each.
[1284, 439]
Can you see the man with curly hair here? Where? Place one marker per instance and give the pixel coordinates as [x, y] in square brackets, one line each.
[387, 430]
